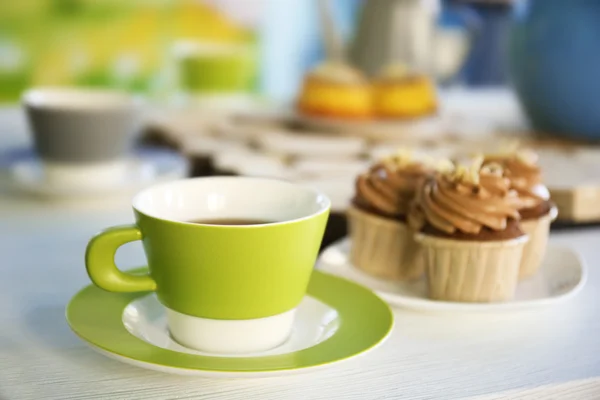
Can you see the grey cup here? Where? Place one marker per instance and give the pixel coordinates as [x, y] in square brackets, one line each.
[78, 126]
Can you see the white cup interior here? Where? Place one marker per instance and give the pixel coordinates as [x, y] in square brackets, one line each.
[230, 198]
[78, 99]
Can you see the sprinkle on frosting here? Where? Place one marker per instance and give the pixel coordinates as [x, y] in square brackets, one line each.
[405, 156]
[443, 165]
[467, 174]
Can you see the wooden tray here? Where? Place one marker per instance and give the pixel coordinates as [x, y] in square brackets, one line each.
[571, 171]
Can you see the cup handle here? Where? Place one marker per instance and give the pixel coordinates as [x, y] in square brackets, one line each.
[100, 264]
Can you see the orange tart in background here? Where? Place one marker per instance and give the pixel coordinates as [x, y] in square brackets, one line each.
[337, 90]
[403, 94]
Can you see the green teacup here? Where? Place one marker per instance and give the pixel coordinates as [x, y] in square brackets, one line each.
[227, 288]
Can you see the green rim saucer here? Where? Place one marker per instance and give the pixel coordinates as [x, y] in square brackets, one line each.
[355, 318]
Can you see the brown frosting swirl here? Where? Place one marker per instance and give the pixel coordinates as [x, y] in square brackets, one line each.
[525, 176]
[389, 186]
[466, 200]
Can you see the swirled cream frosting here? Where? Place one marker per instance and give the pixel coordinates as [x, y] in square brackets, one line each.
[389, 187]
[467, 200]
[525, 175]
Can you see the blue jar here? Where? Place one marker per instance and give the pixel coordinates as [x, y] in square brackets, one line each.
[554, 55]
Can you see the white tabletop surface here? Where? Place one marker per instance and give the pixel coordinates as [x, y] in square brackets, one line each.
[543, 354]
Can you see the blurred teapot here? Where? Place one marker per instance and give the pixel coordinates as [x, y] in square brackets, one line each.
[407, 31]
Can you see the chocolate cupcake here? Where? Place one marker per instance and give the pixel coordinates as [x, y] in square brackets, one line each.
[468, 225]
[537, 210]
[382, 242]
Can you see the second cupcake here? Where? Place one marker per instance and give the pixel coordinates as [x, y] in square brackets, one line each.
[382, 242]
[468, 223]
[537, 210]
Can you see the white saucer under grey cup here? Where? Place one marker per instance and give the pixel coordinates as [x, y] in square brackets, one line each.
[144, 167]
[82, 136]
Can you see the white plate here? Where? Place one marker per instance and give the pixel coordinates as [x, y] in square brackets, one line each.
[427, 127]
[146, 167]
[561, 276]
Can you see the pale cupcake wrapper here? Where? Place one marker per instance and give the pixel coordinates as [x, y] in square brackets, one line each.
[533, 254]
[384, 248]
[472, 271]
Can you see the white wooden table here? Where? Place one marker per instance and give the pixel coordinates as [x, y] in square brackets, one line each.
[544, 354]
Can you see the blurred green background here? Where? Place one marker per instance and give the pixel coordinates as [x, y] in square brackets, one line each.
[121, 44]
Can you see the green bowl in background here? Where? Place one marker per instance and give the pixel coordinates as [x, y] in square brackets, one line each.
[214, 68]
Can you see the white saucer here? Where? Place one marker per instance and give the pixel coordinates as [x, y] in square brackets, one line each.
[146, 166]
[561, 276]
[314, 322]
